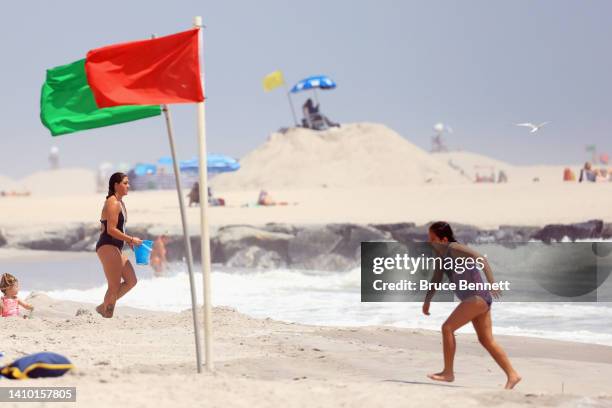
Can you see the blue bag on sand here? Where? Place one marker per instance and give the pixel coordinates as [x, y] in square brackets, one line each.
[37, 365]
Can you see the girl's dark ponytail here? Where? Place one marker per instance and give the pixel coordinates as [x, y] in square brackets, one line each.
[443, 230]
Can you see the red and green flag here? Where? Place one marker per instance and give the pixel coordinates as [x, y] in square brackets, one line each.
[157, 71]
[122, 83]
[67, 104]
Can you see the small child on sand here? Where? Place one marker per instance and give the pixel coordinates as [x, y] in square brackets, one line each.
[9, 304]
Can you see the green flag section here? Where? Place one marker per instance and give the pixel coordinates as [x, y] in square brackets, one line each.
[67, 103]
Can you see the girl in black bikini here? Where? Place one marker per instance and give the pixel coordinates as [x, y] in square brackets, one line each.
[118, 269]
[475, 306]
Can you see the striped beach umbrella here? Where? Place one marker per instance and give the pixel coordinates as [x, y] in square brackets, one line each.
[317, 81]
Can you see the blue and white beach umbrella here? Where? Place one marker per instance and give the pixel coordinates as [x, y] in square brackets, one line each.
[317, 81]
[215, 163]
[218, 163]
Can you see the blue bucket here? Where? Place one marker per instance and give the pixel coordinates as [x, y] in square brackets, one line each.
[143, 252]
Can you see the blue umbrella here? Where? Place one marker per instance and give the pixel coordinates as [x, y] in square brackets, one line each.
[317, 81]
[218, 163]
[142, 169]
[215, 163]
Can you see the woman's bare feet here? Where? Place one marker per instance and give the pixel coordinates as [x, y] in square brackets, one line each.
[442, 376]
[108, 313]
[512, 381]
[99, 310]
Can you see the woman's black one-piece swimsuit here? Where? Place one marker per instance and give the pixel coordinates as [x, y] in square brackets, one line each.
[107, 239]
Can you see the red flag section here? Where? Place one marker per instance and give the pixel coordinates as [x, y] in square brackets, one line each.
[149, 72]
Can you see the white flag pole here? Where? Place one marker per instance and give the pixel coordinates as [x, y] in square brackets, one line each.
[187, 241]
[205, 236]
[179, 190]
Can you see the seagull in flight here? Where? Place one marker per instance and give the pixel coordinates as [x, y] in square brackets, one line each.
[534, 128]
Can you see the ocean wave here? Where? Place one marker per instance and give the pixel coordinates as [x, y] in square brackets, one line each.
[335, 299]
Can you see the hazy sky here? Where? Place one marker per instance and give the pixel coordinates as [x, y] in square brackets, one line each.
[479, 66]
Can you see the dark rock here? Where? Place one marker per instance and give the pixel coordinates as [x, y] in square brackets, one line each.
[235, 238]
[411, 234]
[606, 232]
[509, 233]
[59, 240]
[581, 230]
[334, 247]
[87, 244]
[175, 247]
[469, 235]
[256, 257]
[393, 227]
[90, 235]
[464, 233]
[327, 262]
[311, 242]
[3, 240]
[282, 228]
[352, 237]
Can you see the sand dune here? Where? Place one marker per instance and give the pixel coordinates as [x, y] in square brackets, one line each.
[471, 164]
[60, 182]
[361, 154]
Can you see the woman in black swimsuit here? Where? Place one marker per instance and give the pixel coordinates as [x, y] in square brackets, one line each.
[112, 236]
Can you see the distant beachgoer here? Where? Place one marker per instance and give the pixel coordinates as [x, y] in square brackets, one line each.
[310, 108]
[14, 193]
[9, 306]
[215, 201]
[587, 173]
[116, 266]
[568, 175]
[194, 194]
[266, 199]
[502, 177]
[601, 175]
[158, 255]
[314, 119]
[475, 305]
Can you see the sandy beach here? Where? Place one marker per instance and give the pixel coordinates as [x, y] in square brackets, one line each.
[484, 206]
[261, 362]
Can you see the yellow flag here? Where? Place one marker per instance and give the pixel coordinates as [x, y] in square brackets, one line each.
[273, 80]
